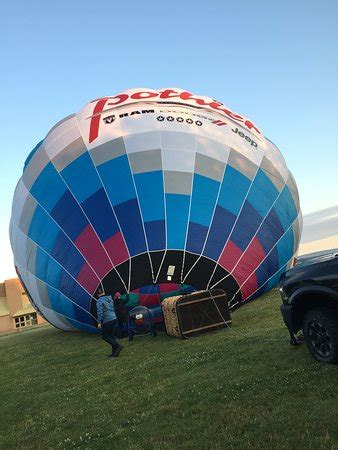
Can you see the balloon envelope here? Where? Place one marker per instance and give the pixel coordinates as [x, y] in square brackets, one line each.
[148, 188]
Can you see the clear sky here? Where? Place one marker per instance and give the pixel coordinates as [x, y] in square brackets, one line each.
[274, 61]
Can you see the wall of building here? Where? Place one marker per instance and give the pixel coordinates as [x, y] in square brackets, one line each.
[6, 324]
[13, 299]
[14, 292]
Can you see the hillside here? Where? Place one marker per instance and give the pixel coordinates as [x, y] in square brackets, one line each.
[239, 388]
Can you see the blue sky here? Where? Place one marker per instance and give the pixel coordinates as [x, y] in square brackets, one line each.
[275, 62]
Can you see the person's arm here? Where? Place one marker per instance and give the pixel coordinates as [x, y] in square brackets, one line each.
[124, 301]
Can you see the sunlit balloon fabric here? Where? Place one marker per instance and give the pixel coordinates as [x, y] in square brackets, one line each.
[150, 187]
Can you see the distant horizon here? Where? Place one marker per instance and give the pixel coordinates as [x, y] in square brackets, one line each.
[320, 231]
[320, 224]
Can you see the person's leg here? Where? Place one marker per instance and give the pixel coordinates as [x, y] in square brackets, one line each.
[106, 333]
[112, 335]
[116, 347]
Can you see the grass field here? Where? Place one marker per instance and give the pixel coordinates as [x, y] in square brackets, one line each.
[240, 388]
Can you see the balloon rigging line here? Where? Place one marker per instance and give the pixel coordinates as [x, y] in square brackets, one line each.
[141, 215]
[242, 284]
[69, 318]
[164, 203]
[50, 256]
[212, 216]
[233, 227]
[160, 267]
[276, 243]
[61, 229]
[266, 281]
[257, 230]
[89, 221]
[76, 200]
[189, 211]
[108, 199]
[253, 237]
[105, 190]
[70, 240]
[273, 204]
[287, 262]
[55, 289]
[129, 274]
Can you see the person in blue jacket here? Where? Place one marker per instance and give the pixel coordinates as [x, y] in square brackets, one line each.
[106, 318]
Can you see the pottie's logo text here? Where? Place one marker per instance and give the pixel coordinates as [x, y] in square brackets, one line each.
[168, 96]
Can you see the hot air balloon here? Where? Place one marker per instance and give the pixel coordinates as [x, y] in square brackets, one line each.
[147, 192]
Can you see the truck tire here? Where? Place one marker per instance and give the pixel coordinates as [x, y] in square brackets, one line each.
[320, 329]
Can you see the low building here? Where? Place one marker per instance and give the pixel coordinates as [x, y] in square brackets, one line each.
[16, 311]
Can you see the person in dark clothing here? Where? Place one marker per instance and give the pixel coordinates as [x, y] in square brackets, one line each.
[121, 312]
[106, 317]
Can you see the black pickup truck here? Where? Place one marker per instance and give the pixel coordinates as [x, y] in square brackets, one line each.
[309, 293]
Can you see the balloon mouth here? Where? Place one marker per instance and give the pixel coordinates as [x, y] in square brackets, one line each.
[171, 266]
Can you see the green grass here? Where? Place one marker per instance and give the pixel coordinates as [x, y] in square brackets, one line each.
[239, 388]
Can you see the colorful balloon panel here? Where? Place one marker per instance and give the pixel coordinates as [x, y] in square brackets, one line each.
[149, 189]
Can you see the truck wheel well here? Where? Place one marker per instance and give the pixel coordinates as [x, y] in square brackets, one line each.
[306, 302]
